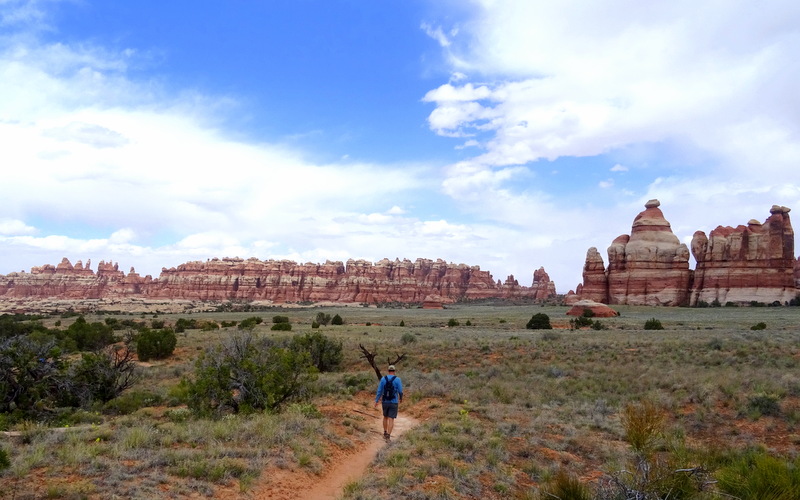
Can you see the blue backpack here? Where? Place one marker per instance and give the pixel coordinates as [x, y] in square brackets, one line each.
[388, 388]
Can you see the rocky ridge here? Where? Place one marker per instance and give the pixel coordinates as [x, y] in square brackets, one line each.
[276, 281]
[651, 267]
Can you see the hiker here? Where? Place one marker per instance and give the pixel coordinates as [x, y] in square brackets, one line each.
[390, 392]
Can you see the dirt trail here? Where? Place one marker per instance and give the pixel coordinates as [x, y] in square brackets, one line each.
[330, 486]
[345, 468]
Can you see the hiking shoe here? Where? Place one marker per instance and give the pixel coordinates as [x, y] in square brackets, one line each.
[386, 435]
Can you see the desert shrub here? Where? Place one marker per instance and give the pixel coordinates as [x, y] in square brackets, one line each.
[90, 336]
[100, 376]
[565, 486]
[280, 319]
[251, 322]
[701, 304]
[755, 475]
[132, 401]
[326, 354]
[246, 373]
[402, 323]
[597, 325]
[30, 373]
[653, 324]
[155, 324]
[208, 326]
[322, 318]
[731, 304]
[183, 324]
[764, 404]
[282, 327]
[337, 320]
[155, 344]
[759, 326]
[452, 322]
[314, 325]
[408, 338]
[5, 461]
[716, 303]
[587, 313]
[539, 321]
[644, 425]
[580, 322]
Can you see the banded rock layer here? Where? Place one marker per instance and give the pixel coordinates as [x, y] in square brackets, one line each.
[651, 267]
[281, 281]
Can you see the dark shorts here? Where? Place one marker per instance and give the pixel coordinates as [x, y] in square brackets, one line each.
[390, 410]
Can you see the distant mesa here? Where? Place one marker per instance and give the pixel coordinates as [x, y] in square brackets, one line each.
[432, 283]
[651, 267]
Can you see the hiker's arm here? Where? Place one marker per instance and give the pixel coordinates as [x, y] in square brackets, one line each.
[379, 393]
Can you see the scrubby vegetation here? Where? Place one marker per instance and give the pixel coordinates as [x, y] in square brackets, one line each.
[708, 409]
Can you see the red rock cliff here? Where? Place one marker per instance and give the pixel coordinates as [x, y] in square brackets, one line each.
[746, 263]
[279, 281]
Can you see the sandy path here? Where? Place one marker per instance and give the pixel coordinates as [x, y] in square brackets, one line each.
[330, 486]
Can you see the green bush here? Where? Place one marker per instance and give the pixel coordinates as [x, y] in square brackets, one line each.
[99, 377]
[452, 322]
[759, 326]
[653, 324]
[31, 373]
[282, 327]
[322, 318]
[402, 323]
[183, 324]
[280, 319]
[765, 404]
[251, 322]
[90, 336]
[565, 486]
[245, 373]
[326, 354]
[408, 338]
[539, 321]
[755, 475]
[5, 460]
[155, 344]
[337, 320]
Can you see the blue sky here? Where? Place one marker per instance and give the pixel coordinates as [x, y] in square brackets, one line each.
[499, 133]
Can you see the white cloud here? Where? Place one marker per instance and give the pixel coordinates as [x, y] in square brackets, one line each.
[619, 168]
[606, 184]
[13, 227]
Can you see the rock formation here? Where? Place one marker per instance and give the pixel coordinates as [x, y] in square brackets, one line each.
[746, 263]
[651, 267]
[357, 281]
[598, 310]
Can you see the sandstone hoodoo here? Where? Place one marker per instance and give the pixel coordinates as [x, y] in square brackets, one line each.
[747, 263]
[283, 281]
[648, 267]
[651, 267]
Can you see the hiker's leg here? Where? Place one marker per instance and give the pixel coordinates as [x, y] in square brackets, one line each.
[386, 425]
[389, 425]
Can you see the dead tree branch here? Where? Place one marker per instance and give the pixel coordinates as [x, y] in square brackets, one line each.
[370, 356]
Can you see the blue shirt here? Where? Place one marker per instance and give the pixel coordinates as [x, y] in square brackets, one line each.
[398, 389]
